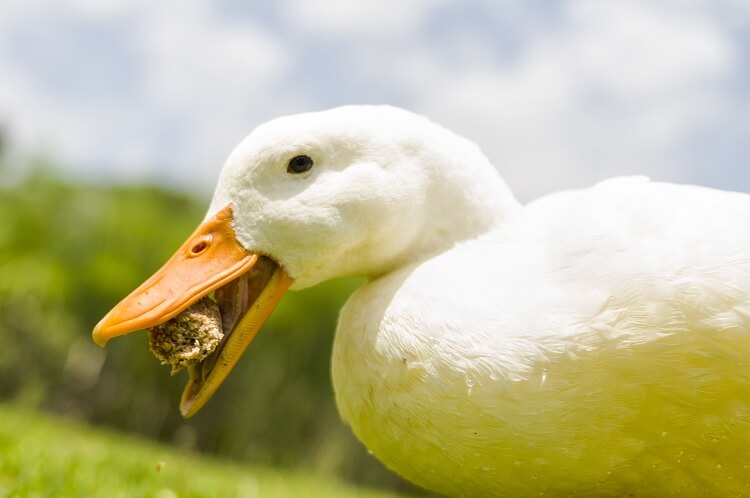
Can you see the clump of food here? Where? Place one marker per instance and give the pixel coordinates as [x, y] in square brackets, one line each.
[188, 337]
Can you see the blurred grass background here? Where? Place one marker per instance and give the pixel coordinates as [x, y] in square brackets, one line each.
[44, 456]
[70, 251]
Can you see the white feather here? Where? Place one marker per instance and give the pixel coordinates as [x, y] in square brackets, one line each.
[592, 343]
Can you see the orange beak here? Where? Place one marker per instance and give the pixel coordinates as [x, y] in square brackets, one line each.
[211, 259]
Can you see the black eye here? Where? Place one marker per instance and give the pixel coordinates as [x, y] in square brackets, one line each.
[299, 164]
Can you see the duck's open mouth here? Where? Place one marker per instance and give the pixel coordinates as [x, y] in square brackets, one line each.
[246, 286]
[245, 303]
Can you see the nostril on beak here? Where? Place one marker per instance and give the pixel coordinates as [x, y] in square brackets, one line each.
[199, 248]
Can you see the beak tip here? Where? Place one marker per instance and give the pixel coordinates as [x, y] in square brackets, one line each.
[98, 340]
[98, 335]
[185, 409]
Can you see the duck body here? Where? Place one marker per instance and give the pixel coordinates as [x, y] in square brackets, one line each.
[597, 343]
[591, 343]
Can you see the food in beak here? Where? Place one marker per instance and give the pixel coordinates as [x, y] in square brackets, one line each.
[189, 337]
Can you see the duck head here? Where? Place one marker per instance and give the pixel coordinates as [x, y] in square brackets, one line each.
[356, 190]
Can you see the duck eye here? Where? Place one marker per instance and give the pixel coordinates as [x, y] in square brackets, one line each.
[299, 164]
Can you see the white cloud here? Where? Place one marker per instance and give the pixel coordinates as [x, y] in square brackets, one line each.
[360, 19]
[557, 99]
[613, 90]
[200, 80]
[213, 76]
[638, 49]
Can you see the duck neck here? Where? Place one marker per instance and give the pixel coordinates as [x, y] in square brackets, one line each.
[466, 199]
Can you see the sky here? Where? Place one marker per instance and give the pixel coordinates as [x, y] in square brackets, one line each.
[557, 94]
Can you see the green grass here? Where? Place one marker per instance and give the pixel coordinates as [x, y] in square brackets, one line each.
[42, 456]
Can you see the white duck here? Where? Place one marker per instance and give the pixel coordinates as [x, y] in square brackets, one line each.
[592, 343]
